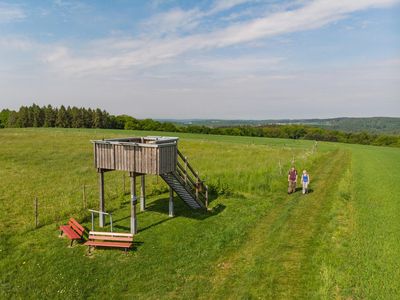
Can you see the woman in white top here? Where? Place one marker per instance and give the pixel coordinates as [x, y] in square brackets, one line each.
[305, 180]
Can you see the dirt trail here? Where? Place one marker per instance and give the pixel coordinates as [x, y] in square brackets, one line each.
[273, 261]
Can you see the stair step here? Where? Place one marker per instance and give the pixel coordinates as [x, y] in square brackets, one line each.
[184, 192]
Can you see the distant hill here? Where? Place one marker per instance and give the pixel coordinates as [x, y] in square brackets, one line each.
[366, 131]
[372, 125]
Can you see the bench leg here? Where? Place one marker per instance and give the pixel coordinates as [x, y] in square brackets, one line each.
[61, 233]
[72, 242]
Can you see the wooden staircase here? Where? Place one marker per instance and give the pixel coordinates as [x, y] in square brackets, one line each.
[186, 183]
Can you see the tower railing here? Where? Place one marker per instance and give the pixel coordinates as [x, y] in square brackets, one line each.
[191, 179]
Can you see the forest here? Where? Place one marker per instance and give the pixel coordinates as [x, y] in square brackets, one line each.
[74, 117]
[379, 125]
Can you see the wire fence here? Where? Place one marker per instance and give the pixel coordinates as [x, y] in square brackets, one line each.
[49, 209]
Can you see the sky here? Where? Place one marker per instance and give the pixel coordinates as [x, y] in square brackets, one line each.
[225, 59]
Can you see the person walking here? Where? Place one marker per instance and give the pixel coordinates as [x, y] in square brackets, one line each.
[292, 179]
[305, 180]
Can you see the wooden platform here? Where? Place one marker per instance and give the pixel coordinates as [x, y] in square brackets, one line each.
[143, 155]
[148, 155]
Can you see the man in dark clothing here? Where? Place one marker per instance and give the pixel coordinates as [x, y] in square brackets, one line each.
[292, 179]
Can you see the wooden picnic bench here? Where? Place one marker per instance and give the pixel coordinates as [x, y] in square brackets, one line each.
[73, 230]
[109, 239]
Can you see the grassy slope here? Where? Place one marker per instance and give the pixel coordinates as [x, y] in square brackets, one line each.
[256, 241]
[276, 259]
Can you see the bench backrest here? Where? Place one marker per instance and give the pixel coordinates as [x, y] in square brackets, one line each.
[111, 236]
[76, 226]
[111, 233]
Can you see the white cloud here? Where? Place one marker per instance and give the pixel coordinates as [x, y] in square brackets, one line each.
[181, 20]
[173, 21]
[355, 90]
[147, 52]
[10, 13]
[313, 15]
[70, 5]
[221, 5]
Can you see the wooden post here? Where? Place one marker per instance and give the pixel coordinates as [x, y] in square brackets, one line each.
[133, 203]
[84, 197]
[206, 196]
[124, 184]
[36, 212]
[186, 163]
[142, 193]
[101, 198]
[197, 186]
[171, 203]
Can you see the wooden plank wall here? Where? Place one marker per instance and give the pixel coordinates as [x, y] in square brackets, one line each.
[124, 158]
[167, 159]
[145, 160]
[105, 156]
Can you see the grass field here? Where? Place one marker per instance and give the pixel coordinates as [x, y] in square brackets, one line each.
[340, 241]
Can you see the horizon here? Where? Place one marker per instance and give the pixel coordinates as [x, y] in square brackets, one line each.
[205, 60]
[279, 119]
[218, 119]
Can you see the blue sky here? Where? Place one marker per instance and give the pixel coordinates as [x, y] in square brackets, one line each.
[248, 59]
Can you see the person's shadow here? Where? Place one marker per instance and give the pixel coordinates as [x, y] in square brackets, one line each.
[300, 189]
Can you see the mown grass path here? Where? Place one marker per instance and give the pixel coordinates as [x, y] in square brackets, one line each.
[274, 262]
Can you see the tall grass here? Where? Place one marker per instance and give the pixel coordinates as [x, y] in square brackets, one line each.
[54, 165]
[339, 241]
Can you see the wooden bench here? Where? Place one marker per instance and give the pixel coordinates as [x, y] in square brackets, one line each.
[109, 239]
[73, 230]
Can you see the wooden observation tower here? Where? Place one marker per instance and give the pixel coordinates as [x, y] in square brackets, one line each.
[149, 155]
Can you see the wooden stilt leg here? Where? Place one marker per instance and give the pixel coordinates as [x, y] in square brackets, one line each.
[142, 193]
[101, 198]
[171, 202]
[133, 203]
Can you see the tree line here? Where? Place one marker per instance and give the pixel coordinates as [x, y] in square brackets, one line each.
[74, 117]
[48, 116]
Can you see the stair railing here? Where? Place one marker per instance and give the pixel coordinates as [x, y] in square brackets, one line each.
[192, 179]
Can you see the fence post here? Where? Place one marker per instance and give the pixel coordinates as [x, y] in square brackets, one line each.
[36, 212]
[124, 183]
[84, 196]
[206, 196]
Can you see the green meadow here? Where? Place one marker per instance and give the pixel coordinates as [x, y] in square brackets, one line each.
[342, 240]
